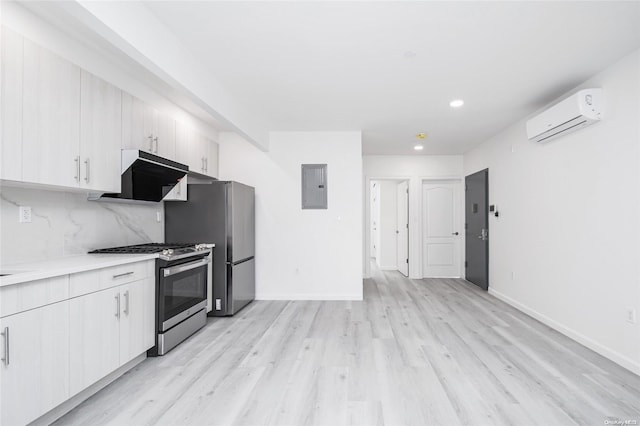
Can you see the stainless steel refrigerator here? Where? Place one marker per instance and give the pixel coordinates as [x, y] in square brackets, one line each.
[222, 213]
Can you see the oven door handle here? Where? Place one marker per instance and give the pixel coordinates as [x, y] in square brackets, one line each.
[186, 267]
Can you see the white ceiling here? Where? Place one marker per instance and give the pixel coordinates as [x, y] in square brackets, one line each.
[391, 68]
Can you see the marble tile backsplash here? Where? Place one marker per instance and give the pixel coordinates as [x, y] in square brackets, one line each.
[65, 224]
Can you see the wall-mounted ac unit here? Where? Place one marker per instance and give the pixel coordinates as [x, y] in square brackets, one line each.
[575, 112]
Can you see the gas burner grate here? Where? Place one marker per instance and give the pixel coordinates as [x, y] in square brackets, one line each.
[143, 248]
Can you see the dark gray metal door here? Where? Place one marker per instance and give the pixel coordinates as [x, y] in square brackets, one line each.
[477, 228]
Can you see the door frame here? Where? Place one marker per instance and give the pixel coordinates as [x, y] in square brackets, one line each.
[461, 255]
[367, 217]
[435, 179]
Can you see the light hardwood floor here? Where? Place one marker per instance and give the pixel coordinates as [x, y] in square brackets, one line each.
[414, 352]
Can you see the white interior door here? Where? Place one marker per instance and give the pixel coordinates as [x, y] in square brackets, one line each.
[402, 230]
[441, 233]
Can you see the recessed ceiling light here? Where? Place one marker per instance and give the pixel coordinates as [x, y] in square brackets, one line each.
[421, 136]
[456, 103]
[418, 147]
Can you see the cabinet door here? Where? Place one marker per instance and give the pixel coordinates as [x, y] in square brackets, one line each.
[212, 159]
[179, 192]
[36, 377]
[197, 151]
[182, 143]
[11, 48]
[164, 136]
[150, 115]
[134, 134]
[137, 318]
[50, 118]
[101, 133]
[94, 337]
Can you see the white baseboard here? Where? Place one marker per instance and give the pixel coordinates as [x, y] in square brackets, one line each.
[309, 296]
[614, 356]
[388, 268]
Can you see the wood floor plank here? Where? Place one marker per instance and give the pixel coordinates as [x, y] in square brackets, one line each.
[413, 352]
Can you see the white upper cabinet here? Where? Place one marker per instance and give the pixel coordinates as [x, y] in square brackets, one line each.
[212, 162]
[100, 134]
[146, 129]
[164, 135]
[50, 118]
[196, 151]
[179, 192]
[63, 126]
[133, 131]
[70, 123]
[11, 48]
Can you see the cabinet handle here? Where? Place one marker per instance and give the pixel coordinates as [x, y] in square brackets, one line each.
[150, 143]
[87, 170]
[5, 333]
[202, 161]
[77, 161]
[206, 165]
[123, 275]
[126, 302]
[156, 141]
[117, 305]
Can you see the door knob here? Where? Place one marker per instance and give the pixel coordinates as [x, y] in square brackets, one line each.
[455, 233]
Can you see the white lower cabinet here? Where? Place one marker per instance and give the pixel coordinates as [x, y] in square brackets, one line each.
[34, 371]
[94, 337]
[120, 328]
[137, 319]
[61, 335]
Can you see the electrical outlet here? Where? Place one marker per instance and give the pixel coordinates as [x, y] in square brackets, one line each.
[513, 275]
[24, 214]
[631, 315]
[158, 217]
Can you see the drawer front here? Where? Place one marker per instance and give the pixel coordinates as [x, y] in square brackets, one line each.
[100, 279]
[30, 295]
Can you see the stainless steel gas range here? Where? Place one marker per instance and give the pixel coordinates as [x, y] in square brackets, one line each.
[182, 274]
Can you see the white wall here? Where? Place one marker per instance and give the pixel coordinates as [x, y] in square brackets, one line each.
[388, 224]
[565, 248]
[302, 254]
[415, 169]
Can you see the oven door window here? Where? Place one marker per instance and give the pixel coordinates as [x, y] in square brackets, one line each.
[183, 290]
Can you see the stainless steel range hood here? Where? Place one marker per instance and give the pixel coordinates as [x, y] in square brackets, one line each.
[145, 177]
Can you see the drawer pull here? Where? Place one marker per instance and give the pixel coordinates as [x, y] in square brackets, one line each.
[123, 275]
[126, 299]
[5, 333]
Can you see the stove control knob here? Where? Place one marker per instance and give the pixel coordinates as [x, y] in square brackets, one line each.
[170, 252]
[165, 252]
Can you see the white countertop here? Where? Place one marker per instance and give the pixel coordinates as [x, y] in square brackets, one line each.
[31, 271]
